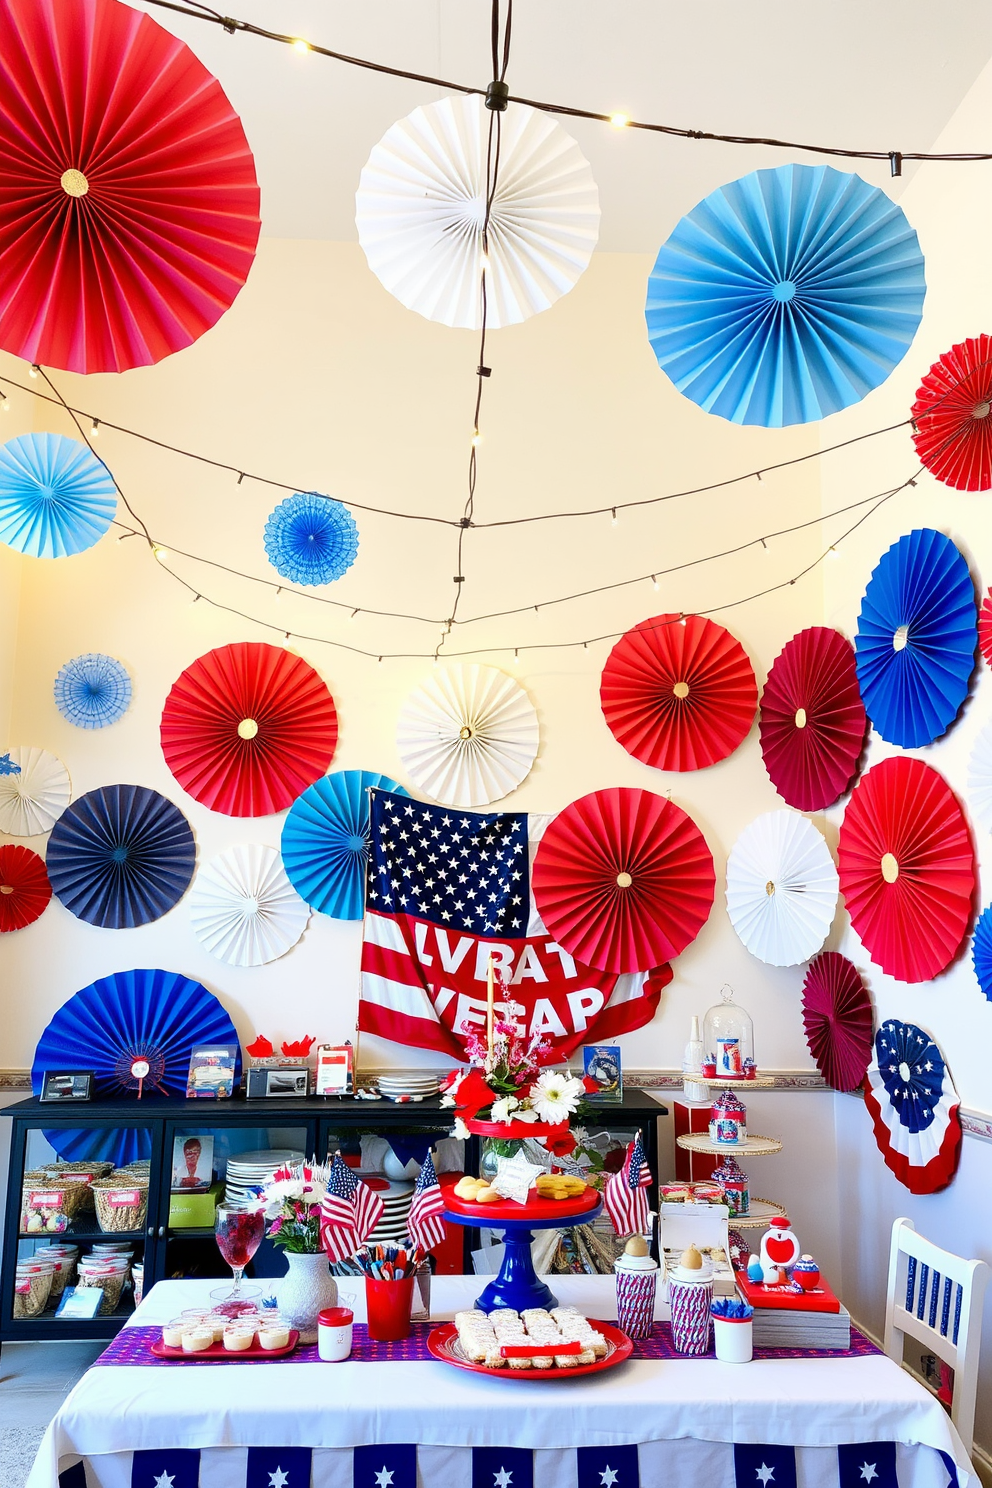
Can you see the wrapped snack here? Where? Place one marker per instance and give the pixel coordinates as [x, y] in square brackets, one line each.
[172, 1333]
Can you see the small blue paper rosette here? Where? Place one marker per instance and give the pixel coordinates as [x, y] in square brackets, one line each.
[92, 691]
[325, 841]
[786, 296]
[311, 539]
[56, 498]
[981, 951]
[916, 639]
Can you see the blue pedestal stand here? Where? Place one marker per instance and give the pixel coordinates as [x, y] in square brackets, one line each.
[518, 1285]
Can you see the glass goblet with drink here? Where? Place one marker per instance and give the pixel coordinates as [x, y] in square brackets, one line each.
[238, 1233]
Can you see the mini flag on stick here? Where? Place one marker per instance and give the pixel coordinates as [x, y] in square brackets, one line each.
[626, 1194]
[349, 1213]
[424, 1223]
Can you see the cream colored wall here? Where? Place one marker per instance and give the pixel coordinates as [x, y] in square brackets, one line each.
[319, 378]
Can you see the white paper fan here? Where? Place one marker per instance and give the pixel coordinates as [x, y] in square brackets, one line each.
[980, 778]
[244, 909]
[782, 888]
[468, 736]
[420, 206]
[34, 791]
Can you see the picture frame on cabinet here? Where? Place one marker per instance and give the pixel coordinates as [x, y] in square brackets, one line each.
[66, 1085]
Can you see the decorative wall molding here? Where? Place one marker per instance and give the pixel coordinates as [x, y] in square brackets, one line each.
[15, 1079]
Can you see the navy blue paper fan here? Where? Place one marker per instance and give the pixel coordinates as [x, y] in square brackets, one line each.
[916, 639]
[120, 856]
[786, 296]
[311, 539]
[325, 841]
[156, 1015]
[116, 1144]
[981, 951]
[92, 691]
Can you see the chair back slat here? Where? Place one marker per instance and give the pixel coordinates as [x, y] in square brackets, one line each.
[910, 1282]
[957, 1315]
[934, 1298]
[921, 1295]
[945, 1310]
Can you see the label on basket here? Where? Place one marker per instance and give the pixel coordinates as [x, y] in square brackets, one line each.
[76, 1177]
[22, 1288]
[46, 1198]
[123, 1198]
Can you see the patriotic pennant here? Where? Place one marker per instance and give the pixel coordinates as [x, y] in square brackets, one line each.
[765, 1467]
[349, 1213]
[502, 1467]
[870, 1466]
[386, 1466]
[626, 1193]
[171, 1467]
[424, 1223]
[278, 1467]
[914, 1107]
[607, 1467]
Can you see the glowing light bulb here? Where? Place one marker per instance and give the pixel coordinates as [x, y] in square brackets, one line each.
[162, 554]
[299, 45]
[613, 516]
[33, 372]
[484, 263]
[619, 121]
[94, 428]
[654, 582]
[476, 439]
[6, 405]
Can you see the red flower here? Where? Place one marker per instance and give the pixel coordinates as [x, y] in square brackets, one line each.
[614, 1161]
[260, 1049]
[589, 1085]
[299, 1050]
[560, 1146]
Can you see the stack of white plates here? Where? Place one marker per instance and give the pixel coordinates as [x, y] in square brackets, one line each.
[397, 1198]
[408, 1087]
[249, 1170]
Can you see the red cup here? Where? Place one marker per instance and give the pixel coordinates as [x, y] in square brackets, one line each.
[389, 1305]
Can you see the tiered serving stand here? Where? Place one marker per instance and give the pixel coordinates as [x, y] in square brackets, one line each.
[760, 1211]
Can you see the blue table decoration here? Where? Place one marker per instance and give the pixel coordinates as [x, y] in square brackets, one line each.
[92, 691]
[981, 951]
[55, 497]
[121, 856]
[325, 841]
[311, 539]
[785, 296]
[916, 639]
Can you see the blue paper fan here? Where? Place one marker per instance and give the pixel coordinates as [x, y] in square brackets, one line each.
[311, 539]
[325, 841]
[120, 856]
[92, 691]
[916, 640]
[157, 1015]
[981, 951]
[785, 296]
[55, 497]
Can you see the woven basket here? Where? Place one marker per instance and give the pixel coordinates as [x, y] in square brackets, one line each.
[113, 1214]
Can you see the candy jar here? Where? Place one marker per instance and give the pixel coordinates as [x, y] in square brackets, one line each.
[806, 1273]
[728, 1039]
[733, 1181]
[728, 1119]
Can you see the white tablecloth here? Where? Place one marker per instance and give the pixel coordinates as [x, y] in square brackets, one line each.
[807, 1403]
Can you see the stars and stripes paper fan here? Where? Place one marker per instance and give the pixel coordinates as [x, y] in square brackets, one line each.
[325, 841]
[623, 879]
[24, 887]
[916, 639]
[981, 951]
[907, 869]
[121, 856]
[244, 909]
[469, 735]
[420, 207]
[311, 539]
[33, 793]
[980, 778]
[914, 1108]
[56, 499]
[247, 727]
[952, 429]
[786, 295]
[812, 721]
[837, 1017]
[92, 691]
[678, 696]
[129, 207]
[781, 888]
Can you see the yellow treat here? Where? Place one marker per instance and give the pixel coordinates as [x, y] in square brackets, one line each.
[467, 1188]
[691, 1259]
[487, 1195]
[560, 1186]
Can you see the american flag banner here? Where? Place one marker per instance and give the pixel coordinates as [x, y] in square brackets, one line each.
[349, 1213]
[626, 1193]
[445, 890]
[424, 1223]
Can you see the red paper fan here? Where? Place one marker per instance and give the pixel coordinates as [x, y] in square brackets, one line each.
[985, 627]
[812, 720]
[128, 198]
[678, 696]
[907, 869]
[247, 728]
[24, 887]
[623, 879]
[952, 411]
[837, 1016]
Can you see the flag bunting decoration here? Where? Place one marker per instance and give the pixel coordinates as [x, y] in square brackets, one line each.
[349, 1212]
[626, 1194]
[447, 889]
[278, 1467]
[425, 1226]
[385, 1465]
[914, 1108]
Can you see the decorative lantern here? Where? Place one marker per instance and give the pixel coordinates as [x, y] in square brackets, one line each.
[728, 1040]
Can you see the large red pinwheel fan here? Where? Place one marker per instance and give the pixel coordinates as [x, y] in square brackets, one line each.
[129, 206]
[952, 416]
[812, 720]
[623, 879]
[985, 628]
[907, 868]
[247, 728]
[678, 692]
[837, 1017]
[24, 887]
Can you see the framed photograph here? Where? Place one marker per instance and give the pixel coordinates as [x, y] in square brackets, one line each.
[192, 1163]
[284, 1081]
[602, 1063]
[211, 1072]
[67, 1085]
[335, 1069]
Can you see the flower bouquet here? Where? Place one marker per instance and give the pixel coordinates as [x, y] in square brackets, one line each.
[290, 1203]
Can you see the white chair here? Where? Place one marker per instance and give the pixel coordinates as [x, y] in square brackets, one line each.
[936, 1298]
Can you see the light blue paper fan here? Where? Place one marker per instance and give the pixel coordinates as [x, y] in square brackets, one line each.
[981, 951]
[916, 639]
[785, 296]
[311, 539]
[92, 691]
[56, 498]
[325, 841]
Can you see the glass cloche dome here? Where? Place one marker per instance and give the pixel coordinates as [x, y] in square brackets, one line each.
[728, 1038]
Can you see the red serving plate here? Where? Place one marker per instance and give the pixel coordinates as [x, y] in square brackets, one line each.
[442, 1342]
[535, 1207]
[218, 1351]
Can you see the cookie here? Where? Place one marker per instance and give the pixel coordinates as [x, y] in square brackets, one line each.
[560, 1186]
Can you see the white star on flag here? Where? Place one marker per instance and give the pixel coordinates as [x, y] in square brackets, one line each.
[765, 1473]
[164, 1480]
[608, 1477]
[868, 1471]
[502, 1479]
[384, 1477]
[278, 1479]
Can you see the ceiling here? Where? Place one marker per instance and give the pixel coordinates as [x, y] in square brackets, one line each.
[878, 74]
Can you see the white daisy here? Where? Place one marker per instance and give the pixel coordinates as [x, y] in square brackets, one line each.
[555, 1096]
[501, 1108]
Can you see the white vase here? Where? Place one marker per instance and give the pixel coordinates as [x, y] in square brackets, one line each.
[305, 1290]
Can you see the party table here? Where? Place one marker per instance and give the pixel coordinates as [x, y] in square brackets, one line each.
[854, 1421]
